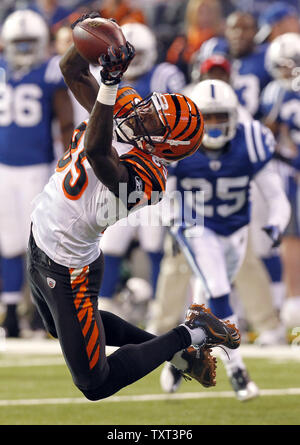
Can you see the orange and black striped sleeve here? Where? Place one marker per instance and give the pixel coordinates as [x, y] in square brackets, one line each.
[147, 178]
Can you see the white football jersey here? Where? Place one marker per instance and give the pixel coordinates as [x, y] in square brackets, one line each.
[74, 208]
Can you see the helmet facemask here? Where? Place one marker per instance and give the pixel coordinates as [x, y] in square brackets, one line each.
[24, 53]
[222, 130]
[25, 37]
[134, 125]
[219, 105]
[169, 126]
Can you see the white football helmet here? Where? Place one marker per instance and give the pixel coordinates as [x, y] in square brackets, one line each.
[283, 59]
[144, 42]
[25, 36]
[213, 97]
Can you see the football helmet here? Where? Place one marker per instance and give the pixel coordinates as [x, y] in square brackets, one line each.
[125, 97]
[169, 126]
[283, 59]
[25, 36]
[144, 42]
[217, 97]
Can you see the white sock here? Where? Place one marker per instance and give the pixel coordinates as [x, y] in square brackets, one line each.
[179, 362]
[198, 335]
[278, 291]
[11, 297]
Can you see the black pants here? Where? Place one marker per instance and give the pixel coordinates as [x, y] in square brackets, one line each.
[67, 300]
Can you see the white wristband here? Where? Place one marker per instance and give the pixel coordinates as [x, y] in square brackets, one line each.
[107, 94]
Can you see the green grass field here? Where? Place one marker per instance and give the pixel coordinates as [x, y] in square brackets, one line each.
[36, 389]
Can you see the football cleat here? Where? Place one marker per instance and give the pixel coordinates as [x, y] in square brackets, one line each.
[218, 332]
[200, 365]
[244, 387]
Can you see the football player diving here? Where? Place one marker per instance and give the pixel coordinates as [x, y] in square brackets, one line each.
[97, 182]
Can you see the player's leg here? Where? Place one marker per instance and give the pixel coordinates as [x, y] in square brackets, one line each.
[215, 261]
[71, 295]
[119, 332]
[205, 280]
[36, 178]
[11, 241]
[12, 281]
[234, 248]
[18, 186]
[291, 254]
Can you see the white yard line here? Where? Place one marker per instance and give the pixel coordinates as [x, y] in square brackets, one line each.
[23, 362]
[51, 347]
[147, 397]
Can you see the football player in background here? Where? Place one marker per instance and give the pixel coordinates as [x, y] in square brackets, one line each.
[173, 285]
[33, 95]
[65, 263]
[231, 156]
[252, 281]
[280, 107]
[249, 76]
[145, 76]
[248, 73]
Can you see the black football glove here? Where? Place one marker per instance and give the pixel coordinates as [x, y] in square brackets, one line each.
[92, 15]
[115, 63]
[274, 233]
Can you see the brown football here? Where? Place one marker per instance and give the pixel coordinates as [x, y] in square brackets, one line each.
[92, 38]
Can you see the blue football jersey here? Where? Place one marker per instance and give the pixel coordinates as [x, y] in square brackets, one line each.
[249, 76]
[218, 190]
[282, 106]
[248, 73]
[162, 78]
[26, 113]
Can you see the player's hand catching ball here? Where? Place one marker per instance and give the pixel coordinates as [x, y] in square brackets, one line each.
[83, 17]
[115, 63]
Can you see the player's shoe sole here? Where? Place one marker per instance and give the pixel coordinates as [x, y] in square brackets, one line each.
[201, 365]
[218, 332]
